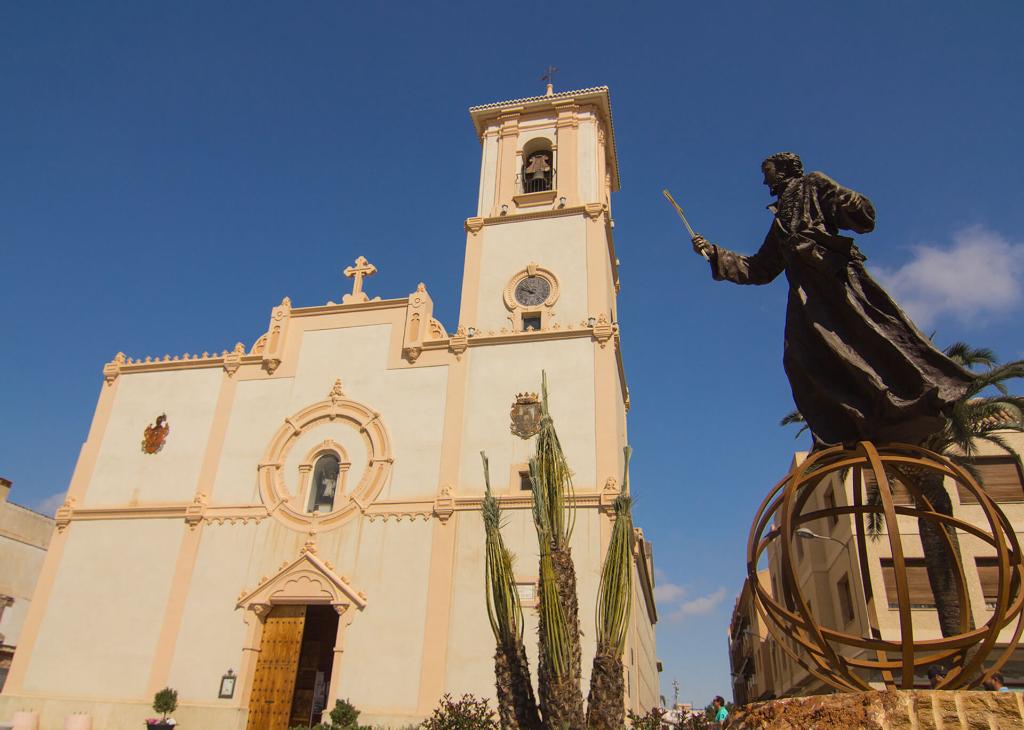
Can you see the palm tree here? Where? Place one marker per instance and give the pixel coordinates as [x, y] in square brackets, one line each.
[606, 703]
[974, 417]
[517, 705]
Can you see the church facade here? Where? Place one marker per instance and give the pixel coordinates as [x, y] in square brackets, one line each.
[270, 528]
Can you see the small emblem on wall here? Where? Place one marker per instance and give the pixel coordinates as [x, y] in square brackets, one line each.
[526, 415]
[155, 435]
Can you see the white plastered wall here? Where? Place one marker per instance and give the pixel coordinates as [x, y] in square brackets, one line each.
[104, 615]
[259, 408]
[384, 644]
[124, 473]
[557, 244]
[410, 400]
[212, 631]
[496, 375]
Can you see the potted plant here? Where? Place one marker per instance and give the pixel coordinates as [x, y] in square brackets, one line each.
[165, 702]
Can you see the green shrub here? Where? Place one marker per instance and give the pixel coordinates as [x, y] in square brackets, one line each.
[165, 701]
[345, 715]
[468, 713]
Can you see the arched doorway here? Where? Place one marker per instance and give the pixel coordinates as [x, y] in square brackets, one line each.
[296, 642]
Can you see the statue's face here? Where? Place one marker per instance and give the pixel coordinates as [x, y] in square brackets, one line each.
[773, 177]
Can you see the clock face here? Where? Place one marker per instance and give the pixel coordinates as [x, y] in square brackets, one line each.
[533, 290]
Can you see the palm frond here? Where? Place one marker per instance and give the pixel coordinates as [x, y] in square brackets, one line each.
[615, 591]
[963, 354]
[554, 475]
[794, 417]
[503, 607]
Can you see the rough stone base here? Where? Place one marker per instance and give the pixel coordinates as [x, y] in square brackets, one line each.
[892, 710]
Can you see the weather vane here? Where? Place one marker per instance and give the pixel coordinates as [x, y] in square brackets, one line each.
[549, 76]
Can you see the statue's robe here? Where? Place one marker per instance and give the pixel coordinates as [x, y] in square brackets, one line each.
[858, 367]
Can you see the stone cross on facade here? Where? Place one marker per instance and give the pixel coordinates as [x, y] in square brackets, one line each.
[357, 272]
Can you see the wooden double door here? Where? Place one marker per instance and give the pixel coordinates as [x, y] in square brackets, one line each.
[293, 671]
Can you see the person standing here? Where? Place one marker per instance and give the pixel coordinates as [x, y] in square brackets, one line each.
[721, 714]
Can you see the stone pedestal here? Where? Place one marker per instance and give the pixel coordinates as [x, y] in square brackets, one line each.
[887, 710]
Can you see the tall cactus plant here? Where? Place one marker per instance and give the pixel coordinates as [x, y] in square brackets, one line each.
[517, 705]
[606, 703]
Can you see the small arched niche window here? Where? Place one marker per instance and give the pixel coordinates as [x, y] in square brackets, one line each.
[538, 172]
[326, 475]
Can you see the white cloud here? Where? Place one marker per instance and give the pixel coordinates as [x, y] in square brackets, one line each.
[668, 592]
[698, 606]
[49, 505]
[980, 274]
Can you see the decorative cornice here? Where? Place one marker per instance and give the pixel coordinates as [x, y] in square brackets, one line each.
[441, 507]
[473, 225]
[513, 217]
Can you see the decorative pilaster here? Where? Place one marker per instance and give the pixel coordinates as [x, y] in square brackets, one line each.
[417, 321]
[274, 349]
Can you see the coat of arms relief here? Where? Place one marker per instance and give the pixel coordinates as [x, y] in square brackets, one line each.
[526, 415]
[155, 435]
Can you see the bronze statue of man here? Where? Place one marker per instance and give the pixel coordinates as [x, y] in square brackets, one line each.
[858, 367]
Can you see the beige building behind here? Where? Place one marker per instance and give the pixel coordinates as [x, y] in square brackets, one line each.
[24, 537]
[297, 520]
[829, 577]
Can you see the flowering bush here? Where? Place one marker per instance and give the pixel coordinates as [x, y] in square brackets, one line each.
[468, 713]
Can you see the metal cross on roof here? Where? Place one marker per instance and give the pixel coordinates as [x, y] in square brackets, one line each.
[357, 272]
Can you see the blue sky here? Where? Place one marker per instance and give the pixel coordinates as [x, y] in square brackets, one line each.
[169, 171]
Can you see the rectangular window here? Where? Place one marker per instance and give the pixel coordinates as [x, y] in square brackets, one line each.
[531, 322]
[900, 494]
[917, 583]
[845, 599]
[1000, 477]
[988, 573]
[830, 503]
[525, 485]
[527, 591]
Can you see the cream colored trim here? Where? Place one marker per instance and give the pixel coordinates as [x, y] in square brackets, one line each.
[513, 217]
[282, 504]
[544, 309]
[643, 559]
[305, 580]
[531, 200]
[436, 626]
[437, 623]
[381, 509]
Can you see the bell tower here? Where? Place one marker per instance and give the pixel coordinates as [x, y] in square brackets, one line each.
[539, 251]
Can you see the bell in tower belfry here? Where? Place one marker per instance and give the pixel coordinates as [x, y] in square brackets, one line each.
[537, 172]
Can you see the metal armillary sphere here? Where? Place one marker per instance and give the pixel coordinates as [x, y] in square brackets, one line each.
[848, 661]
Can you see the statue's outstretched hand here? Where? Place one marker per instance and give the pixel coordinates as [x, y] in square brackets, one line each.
[701, 246]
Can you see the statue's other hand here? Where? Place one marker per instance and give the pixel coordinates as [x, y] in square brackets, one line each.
[701, 245]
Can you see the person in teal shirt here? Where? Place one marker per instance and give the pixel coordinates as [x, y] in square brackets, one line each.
[721, 714]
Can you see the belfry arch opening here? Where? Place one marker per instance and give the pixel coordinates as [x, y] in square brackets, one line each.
[538, 170]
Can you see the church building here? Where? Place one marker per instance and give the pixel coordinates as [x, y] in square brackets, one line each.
[276, 526]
